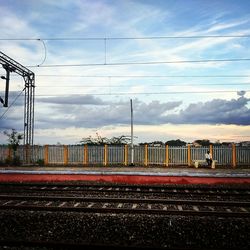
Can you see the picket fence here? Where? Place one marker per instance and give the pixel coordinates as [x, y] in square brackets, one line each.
[120, 155]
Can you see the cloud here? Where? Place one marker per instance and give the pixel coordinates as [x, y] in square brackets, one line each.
[154, 112]
[216, 111]
[72, 100]
[88, 111]
[241, 93]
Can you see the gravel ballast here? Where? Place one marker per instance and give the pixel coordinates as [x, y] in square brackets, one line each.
[153, 231]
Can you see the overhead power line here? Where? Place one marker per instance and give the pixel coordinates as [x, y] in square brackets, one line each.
[125, 38]
[82, 85]
[148, 93]
[142, 63]
[143, 76]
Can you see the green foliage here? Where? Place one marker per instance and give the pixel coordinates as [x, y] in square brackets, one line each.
[177, 143]
[15, 161]
[40, 162]
[14, 139]
[203, 143]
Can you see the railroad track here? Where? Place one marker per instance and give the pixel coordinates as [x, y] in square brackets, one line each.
[130, 189]
[167, 212]
[126, 205]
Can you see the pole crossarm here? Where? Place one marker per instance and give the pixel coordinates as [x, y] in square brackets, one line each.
[11, 65]
[15, 66]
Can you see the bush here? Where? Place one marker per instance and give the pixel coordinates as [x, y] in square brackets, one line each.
[16, 161]
[13, 162]
[40, 162]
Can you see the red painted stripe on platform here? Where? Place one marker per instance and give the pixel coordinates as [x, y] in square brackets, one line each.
[131, 179]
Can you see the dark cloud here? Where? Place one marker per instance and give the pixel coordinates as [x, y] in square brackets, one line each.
[216, 111]
[72, 100]
[15, 98]
[91, 112]
[11, 123]
[154, 112]
[241, 93]
[106, 113]
[12, 116]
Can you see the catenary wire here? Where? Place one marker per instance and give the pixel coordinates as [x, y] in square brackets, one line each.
[45, 52]
[126, 38]
[141, 63]
[132, 38]
[143, 76]
[81, 85]
[148, 93]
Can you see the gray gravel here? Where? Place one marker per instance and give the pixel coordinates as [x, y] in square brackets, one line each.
[126, 230]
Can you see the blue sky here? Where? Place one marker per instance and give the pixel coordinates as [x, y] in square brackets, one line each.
[94, 56]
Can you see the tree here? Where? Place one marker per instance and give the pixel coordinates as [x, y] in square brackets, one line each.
[120, 140]
[177, 143]
[14, 139]
[203, 143]
[94, 141]
[98, 140]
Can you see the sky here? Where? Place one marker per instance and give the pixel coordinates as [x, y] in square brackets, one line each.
[183, 63]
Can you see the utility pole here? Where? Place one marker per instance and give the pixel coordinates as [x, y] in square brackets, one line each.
[132, 134]
[7, 78]
[11, 65]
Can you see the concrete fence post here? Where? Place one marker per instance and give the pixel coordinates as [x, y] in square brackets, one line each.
[211, 150]
[10, 153]
[234, 160]
[189, 155]
[126, 155]
[146, 155]
[85, 154]
[46, 154]
[27, 153]
[166, 156]
[65, 155]
[105, 155]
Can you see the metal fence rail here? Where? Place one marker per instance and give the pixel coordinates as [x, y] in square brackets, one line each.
[75, 154]
[243, 155]
[56, 155]
[156, 155]
[144, 155]
[115, 155]
[224, 155]
[178, 156]
[4, 152]
[38, 153]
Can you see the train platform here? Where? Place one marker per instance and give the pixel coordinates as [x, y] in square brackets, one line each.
[130, 175]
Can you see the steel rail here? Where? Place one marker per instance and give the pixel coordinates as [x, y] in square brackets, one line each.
[152, 191]
[133, 188]
[125, 200]
[127, 210]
